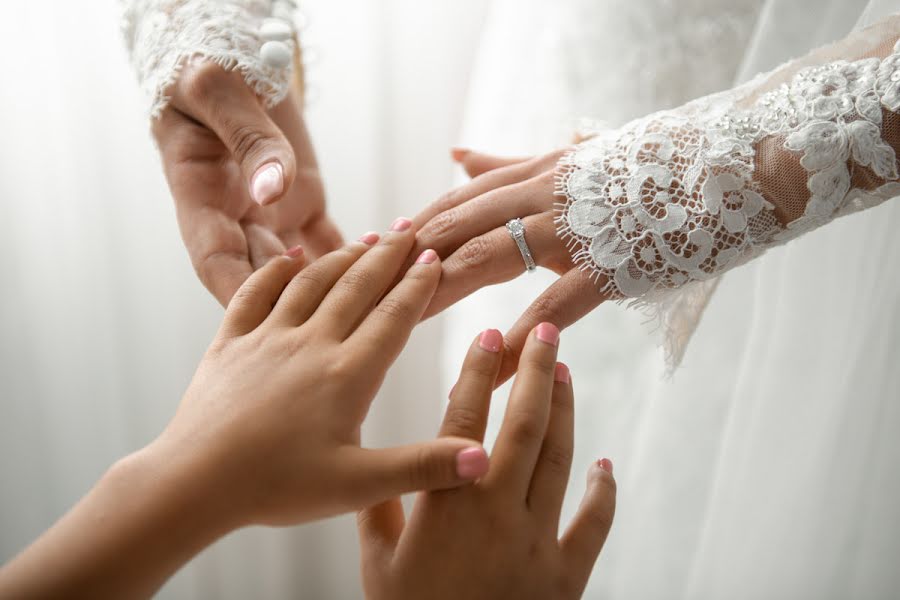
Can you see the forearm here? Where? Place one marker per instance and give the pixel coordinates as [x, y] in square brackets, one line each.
[144, 519]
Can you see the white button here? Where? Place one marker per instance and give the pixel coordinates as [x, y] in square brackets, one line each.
[276, 30]
[276, 54]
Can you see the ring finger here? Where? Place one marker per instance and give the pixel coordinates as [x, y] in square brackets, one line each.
[495, 258]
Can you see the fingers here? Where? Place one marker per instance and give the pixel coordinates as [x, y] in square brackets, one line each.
[452, 228]
[583, 540]
[477, 163]
[254, 300]
[495, 258]
[569, 299]
[222, 101]
[359, 289]
[551, 475]
[306, 291]
[481, 185]
[384, 332]
[379, 529]
[444, 463]
[470, 400]
[527, 414]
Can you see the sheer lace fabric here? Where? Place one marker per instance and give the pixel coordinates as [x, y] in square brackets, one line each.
[672, 200]
[161, 35]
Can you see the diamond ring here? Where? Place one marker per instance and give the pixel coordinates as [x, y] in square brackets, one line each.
[516, 229]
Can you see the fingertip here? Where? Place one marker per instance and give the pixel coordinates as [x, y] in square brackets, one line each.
[605, 465]
[491, 340]
[562, 374]
[427, 257]
[547, 333]
[459, 154]
[472, 463]
[294, 253]
[268, 183]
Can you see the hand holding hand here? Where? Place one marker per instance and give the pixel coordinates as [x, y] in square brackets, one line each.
[497, 538]
[245, 179]
[467, 227]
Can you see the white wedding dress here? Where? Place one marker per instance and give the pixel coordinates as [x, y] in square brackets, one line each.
[765, 468]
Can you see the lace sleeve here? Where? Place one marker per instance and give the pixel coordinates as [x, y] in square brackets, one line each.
[255, 37]
[674, 199]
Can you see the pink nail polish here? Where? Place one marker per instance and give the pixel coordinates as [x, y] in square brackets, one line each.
[562, 374]
[471, 463]
[370, 239]
[427, 257]
[294, 252]
[606, 465]
[547, 333]
[401, 224]
[459, 154]
[453, 389]
[267, 183]
[491, 340]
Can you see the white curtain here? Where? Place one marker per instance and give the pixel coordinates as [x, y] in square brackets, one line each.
[102, 320]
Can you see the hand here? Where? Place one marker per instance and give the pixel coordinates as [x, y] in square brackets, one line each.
[227, 160]
[467, 227]
[497, 538]
[267, 433]
[275, 409]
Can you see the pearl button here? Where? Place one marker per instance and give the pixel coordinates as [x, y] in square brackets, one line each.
[276, 30]
[276, 54]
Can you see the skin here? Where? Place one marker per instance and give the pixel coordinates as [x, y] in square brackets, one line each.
[497, 538]
[268, 433]
[214, 137]
[467, 227]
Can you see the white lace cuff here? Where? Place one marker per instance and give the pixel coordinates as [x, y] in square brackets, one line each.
[679, 197]
[255, 37]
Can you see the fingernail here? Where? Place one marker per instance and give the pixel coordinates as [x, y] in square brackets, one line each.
[294, 252]
[562, 374]
[606, 465]
[450, 395]
[471, 463]
[401, 224]
[427, 257]
[267, 183]
[459, 154]
[547, 333]
[491, 340]
[370, 239]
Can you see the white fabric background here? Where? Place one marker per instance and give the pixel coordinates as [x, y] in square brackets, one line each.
[766, 469]
[101, 318]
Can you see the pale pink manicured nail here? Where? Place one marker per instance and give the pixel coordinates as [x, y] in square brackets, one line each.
[401, 224]
[606, 465]
[267, 183]
[547, 333]
[472, 463]
[427, 257]
[294, 252]
[450, 395]
[370, 239]
[459, 154]
[562, 374]
[491, 340]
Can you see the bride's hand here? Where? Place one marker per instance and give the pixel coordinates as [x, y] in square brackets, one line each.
[467, 227]
[245, 179]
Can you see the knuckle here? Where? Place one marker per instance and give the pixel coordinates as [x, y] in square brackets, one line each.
[395, 310]
[524, 429]
[542, 363]
[558, 457]
[464, 419]
[545, 308]
[424, 469]
[356, 280]
[475, 253]
[203, 80]
[244, 140]
[440, 226]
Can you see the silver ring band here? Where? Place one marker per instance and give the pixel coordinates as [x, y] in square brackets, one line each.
[516, 230]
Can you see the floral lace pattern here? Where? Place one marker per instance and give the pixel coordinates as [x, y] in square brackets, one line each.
[162, 35]
[674, 198]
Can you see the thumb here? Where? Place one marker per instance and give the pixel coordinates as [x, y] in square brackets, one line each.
[476, 163]
[223, 102]
[440, 464]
